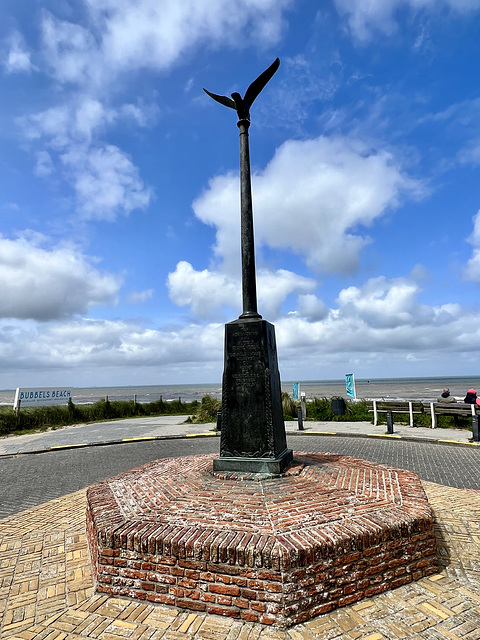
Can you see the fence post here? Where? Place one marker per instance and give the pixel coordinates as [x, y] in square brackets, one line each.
[375, 413]
[410, 409]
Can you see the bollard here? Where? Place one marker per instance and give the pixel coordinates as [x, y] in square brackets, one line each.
[300, 418]
[219, 420]
[476, 435]
[389, 422]
[303, 404]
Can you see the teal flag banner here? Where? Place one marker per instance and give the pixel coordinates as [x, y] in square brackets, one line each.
[350, 385]
[295, 391]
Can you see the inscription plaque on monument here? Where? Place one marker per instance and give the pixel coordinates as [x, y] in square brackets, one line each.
[253, 431]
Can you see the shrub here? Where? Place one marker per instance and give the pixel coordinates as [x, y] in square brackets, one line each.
[321, 409]
[207, 410]
[289, 407]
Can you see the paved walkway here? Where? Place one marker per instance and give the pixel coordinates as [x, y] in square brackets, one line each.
[46, 589]
[115, 432]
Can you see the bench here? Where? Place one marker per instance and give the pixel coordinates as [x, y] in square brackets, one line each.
[393, 406]
[456, 409]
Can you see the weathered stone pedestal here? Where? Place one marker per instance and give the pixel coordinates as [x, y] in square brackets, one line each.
[253, 431]
[328, 532]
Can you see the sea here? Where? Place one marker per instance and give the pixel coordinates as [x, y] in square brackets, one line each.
[423, 389]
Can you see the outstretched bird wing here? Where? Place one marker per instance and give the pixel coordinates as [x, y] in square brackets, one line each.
[228, 102]
[257, 85]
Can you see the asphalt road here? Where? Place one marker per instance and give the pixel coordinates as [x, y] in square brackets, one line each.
[29, 480]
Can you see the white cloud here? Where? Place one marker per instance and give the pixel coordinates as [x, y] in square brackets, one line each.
[105, 349]
[472, 270]
[367, 16]
[207, 292]
[71, 50]
[106, 182]
[143, 114]
[383, 303]
[379, 322]
[311, 308]
[18, 58]
[78, 121]
[313, 198]
[49, 283]
[146, 33]
[122, 36]
[471, 153]
[44, 166]
[138, 297]
[274, 287]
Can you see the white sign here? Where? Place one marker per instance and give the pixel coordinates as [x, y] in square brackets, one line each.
[41, 396]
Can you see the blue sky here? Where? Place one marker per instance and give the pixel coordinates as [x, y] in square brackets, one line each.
[119, 199]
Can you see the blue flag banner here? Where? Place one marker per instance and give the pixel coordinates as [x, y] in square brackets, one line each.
[350, 385]
[295, 391]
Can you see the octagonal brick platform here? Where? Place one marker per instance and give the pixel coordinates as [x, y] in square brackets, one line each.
[329, 531]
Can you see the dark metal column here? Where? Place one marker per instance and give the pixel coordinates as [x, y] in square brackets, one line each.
[249, 286]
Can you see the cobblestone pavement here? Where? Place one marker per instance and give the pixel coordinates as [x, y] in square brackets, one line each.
[29, 480]
[46, 590]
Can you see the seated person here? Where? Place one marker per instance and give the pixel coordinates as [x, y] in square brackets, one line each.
[446, 397]
[471, 397]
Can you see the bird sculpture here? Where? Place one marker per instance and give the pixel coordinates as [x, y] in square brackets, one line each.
[242, 105]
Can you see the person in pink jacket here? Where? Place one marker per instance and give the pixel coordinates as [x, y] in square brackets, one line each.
[471, 397]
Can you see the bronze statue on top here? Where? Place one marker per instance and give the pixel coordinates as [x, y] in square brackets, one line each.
[242, 105]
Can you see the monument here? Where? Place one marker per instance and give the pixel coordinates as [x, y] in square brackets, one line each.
[254, 534]
[253, 432]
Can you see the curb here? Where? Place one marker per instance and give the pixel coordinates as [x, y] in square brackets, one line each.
[386, 436]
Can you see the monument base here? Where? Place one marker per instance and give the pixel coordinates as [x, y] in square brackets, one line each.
[264, 466]
[328, 532]
[253, 435]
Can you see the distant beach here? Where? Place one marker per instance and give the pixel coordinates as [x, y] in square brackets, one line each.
[424, 389]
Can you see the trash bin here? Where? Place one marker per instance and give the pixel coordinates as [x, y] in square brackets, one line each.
[338, 406]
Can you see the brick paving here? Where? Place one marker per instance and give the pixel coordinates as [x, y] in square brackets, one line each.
[46, 589]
